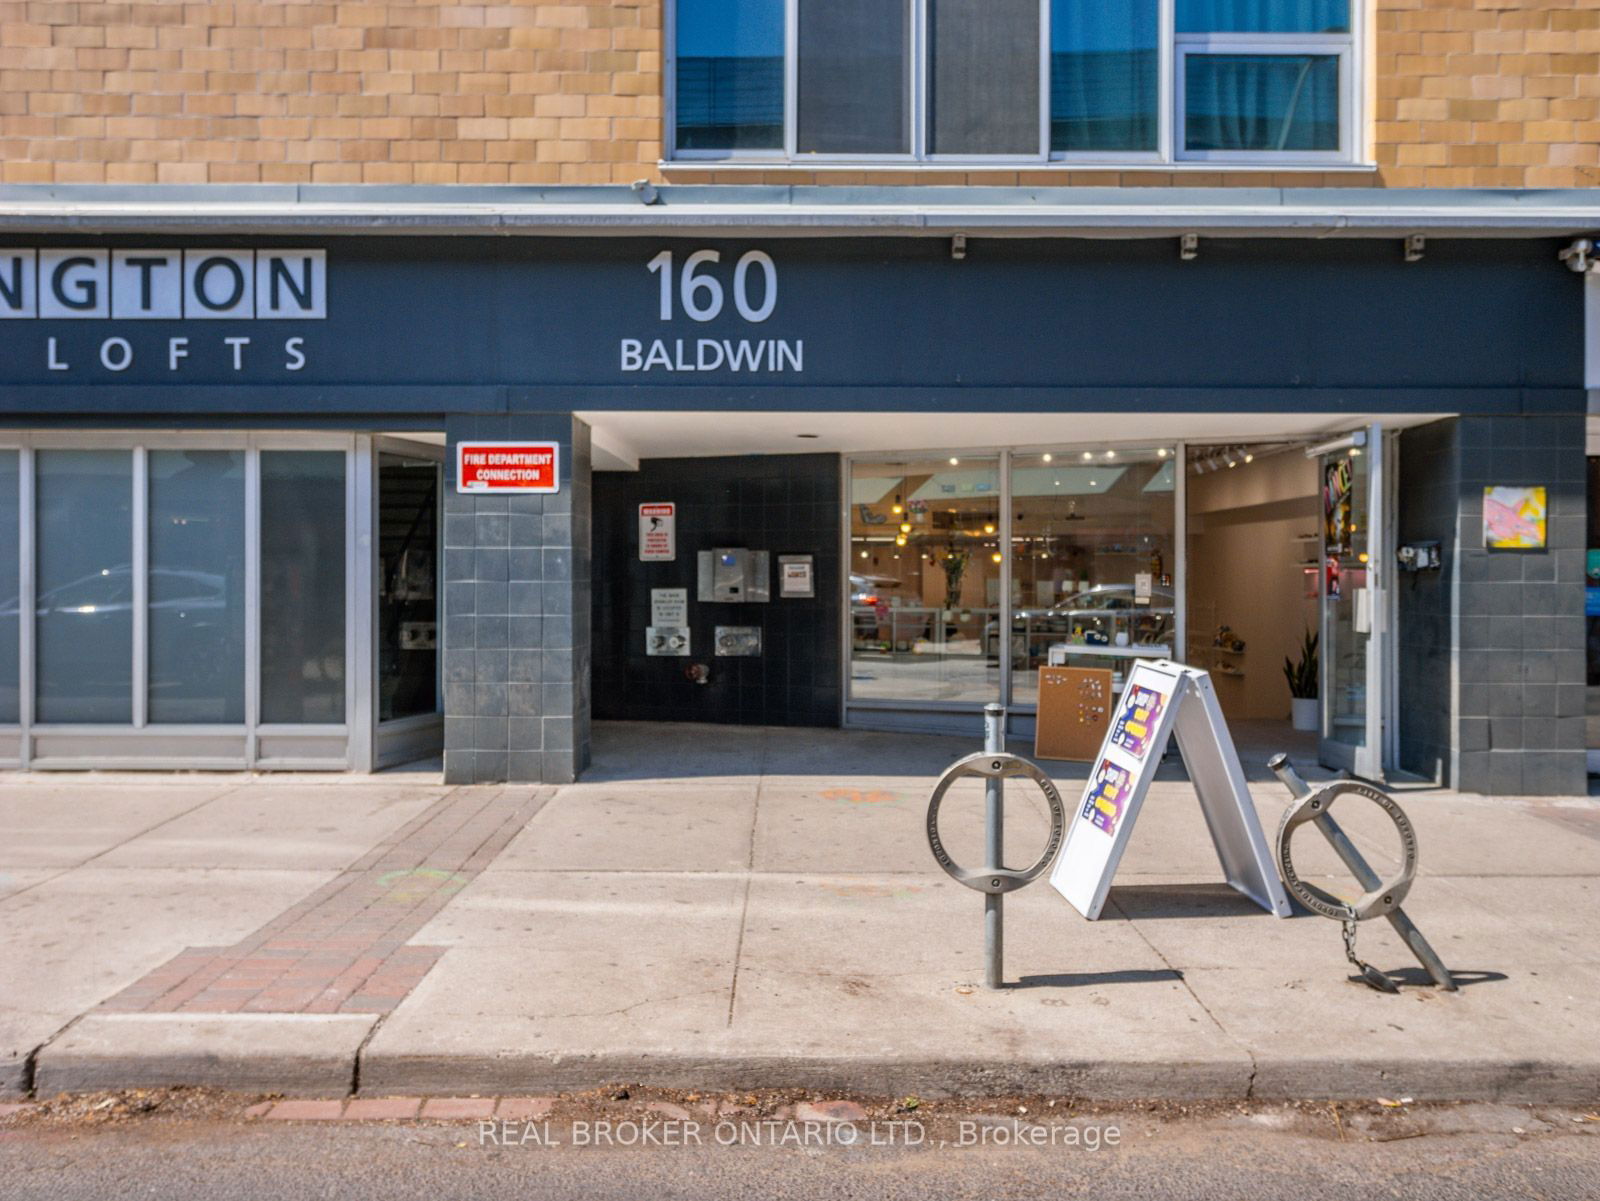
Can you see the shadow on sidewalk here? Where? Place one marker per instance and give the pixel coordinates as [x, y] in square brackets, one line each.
[1089, 979]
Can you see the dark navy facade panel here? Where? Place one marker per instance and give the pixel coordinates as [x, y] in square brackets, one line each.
[783, 504]
[473, 325]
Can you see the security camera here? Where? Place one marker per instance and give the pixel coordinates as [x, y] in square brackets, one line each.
[1579, 257]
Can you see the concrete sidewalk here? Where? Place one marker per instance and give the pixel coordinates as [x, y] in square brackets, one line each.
[722, 908]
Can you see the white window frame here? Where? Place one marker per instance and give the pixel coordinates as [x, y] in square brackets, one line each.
[1350, 48]
[1338, 46]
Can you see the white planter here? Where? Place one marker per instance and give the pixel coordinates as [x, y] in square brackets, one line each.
[1303, 709]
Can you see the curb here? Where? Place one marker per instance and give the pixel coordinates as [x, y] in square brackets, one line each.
[293, 1054]
[321, 1055]
[1525, 1082]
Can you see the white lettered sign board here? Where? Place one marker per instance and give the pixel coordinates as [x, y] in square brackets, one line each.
[1162, 699]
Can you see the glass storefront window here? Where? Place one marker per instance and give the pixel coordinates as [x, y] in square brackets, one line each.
[1091, 560]
[1093, 556]
[197, 587]
[925, 580]
[83, 630]
[10, 590]
[302, 586]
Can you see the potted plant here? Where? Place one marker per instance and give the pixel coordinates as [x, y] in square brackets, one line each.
[1302, 677]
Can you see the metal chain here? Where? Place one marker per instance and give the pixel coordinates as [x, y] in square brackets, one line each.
[1370, 974]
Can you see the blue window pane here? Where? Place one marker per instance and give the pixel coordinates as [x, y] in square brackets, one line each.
[196, 589]
[83, 627]
[1103, 75]
[729, 76]
[1263, 16]
[302, 586]
[1261, 102]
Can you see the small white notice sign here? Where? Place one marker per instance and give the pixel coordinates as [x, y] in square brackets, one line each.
[669, 606]
[658, 532]
[795, 576]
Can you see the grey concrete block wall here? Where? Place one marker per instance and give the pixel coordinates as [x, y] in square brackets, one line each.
[516, 614]
[1520, 657]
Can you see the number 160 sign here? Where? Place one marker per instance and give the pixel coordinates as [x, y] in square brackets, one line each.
[508, 467]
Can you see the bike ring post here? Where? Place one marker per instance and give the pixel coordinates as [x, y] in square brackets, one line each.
[994, 936]
[994, 880]
[1368, 879]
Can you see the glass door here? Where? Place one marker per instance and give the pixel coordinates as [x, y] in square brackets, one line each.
[406, 692]
[1354, 618]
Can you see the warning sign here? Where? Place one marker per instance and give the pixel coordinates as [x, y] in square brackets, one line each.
[507, 467]
[658, 533]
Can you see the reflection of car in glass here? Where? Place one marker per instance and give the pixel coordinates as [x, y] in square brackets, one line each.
[91, 626]
[866, 593]
[1105, 609]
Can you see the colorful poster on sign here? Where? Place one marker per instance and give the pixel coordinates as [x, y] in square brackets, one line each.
[1108, 794]
[1338, 478]
[507, 467]
[1136, 720]
[658, 533]
[1514, 518]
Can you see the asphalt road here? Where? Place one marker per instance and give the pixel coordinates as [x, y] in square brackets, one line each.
[1268, 1153]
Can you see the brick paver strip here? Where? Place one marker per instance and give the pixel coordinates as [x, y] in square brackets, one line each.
[378, 1108]
[305, 1111]
[343, 949]
[458, 1107]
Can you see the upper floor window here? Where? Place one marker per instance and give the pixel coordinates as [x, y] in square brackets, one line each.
[1115, 81]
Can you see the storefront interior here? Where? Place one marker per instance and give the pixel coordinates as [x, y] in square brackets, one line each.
[970, 567]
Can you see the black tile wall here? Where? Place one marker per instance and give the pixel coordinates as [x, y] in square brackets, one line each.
[783, 504]
[516, 615]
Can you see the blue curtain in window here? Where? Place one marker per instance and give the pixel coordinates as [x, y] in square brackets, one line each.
[1103, 64]
[1262, 16]
[1261, 102]
[729, 77]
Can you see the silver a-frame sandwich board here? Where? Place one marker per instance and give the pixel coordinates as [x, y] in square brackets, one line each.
[1160, 699]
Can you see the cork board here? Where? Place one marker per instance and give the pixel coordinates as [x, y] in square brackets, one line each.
[1074, 707]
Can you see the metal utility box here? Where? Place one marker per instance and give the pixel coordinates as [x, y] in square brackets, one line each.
[732, 574]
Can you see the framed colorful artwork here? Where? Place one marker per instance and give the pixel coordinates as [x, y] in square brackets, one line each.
[1514, 518]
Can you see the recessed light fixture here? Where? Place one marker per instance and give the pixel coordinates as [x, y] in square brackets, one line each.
[996, 556]
[1111, 454]
[1087, 455]
[1048, 456]
[1161, 452]
[955, 462]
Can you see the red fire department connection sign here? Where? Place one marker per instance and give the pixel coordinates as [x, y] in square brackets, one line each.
[507, 466]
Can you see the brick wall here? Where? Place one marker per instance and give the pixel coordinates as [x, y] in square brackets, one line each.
[1502, 93]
